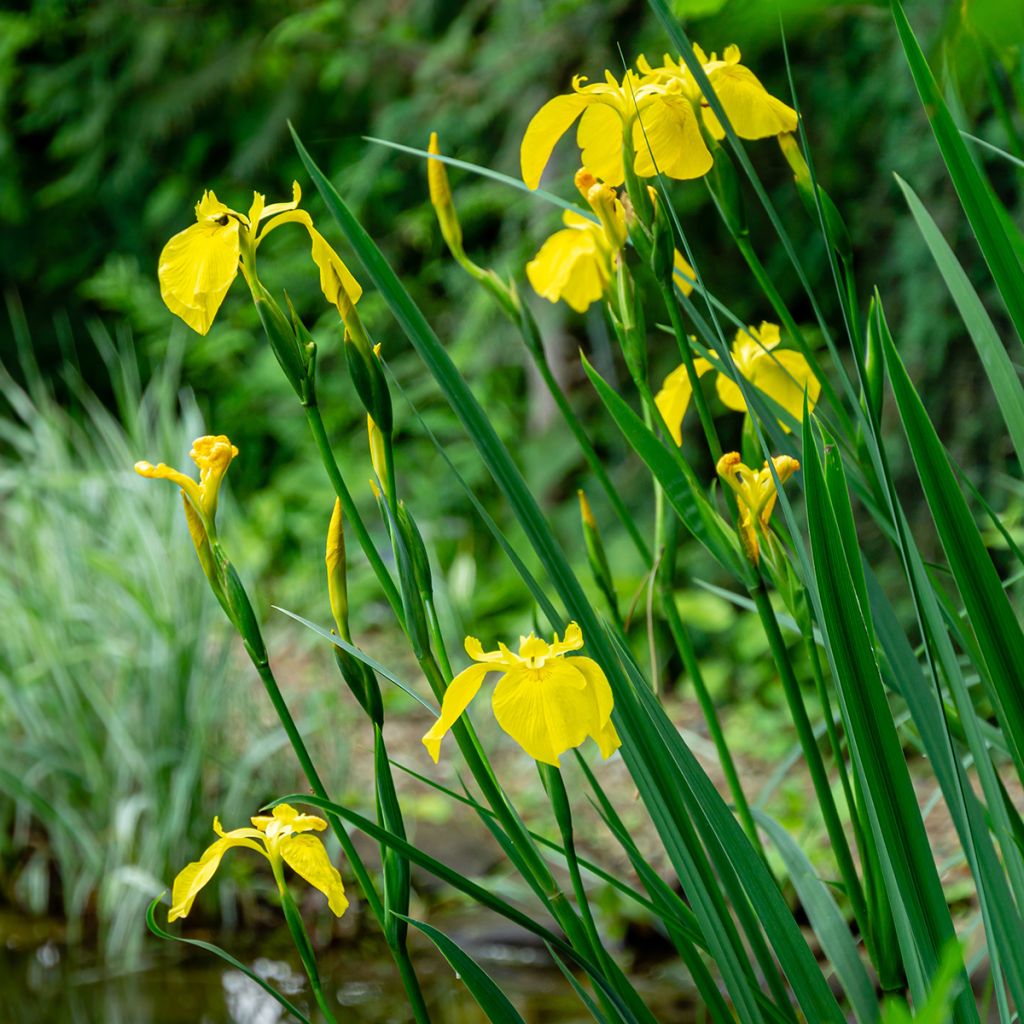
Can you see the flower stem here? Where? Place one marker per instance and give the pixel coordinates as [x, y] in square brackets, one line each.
[316, 426]
[683, 342]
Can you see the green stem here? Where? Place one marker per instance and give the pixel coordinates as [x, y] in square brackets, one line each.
[707, 706]
[683, 342]
[302, 941]
[531, 336]
[313, 778]
[316, 426]
[812, 754]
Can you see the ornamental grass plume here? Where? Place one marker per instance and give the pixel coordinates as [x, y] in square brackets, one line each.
[546, 702]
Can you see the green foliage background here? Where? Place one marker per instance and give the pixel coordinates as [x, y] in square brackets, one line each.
[113, 119]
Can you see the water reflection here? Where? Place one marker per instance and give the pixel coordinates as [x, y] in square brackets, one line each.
[53, 984]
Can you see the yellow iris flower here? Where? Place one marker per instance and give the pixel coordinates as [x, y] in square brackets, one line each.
[578, 263]
[652, 112]
[199, 264]
[752, 111]
[657, 112]
[783, 375]
[281, 837]
[546, 702]
[756, 494]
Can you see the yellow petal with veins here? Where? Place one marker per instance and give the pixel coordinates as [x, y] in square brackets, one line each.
[196, 269]
[599, 136]
[307, 857]
[570, 266]
[674, 397]
[461, 690]
[194, 876]
[546, 127]
[753, 112]
[546, 711]
[782, 375]
[667, 139]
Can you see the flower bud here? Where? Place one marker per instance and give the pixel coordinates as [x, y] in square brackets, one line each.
[441, 200]
[337, 583]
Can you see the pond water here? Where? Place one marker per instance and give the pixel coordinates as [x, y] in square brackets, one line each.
[52, 984]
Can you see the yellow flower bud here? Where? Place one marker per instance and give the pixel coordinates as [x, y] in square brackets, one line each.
[337, 583]
[441, 200]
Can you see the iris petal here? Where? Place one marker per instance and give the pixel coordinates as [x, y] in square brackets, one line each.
[461, 690]
[674, 397]
[667, 139]
[307, 857]
[753, 112]
[193, 877]
[599, 136]
[546, 711]
[196, 269]
[569, 266]
[546, 127]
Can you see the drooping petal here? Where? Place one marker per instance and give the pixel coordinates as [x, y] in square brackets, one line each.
[674, 397]
[546, 710]
[606, 737]
[753, 112]
[162, 471]
[461, 690]
[667, 138]
[335, 277]
[783, 376]
[196, 269]
[569, 266]
[306, 856]
[546, 127]
[599, 136]
[194, 876]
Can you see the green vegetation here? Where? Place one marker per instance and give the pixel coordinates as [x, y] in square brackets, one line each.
[802, 680]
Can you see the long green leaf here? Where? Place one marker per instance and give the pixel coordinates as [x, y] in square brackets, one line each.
[974, 191]
[915, 893]
[640, 718]
[357, 653]
[481, 985]
[989, 346]
[989, 612]
[827, 920]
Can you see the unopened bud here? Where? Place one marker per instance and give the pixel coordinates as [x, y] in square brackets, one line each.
[441, 200]
[337, 584]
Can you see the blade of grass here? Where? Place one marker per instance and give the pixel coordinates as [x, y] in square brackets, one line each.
[481, 985]
[922, 919]
[987, 343]
[974, 191]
